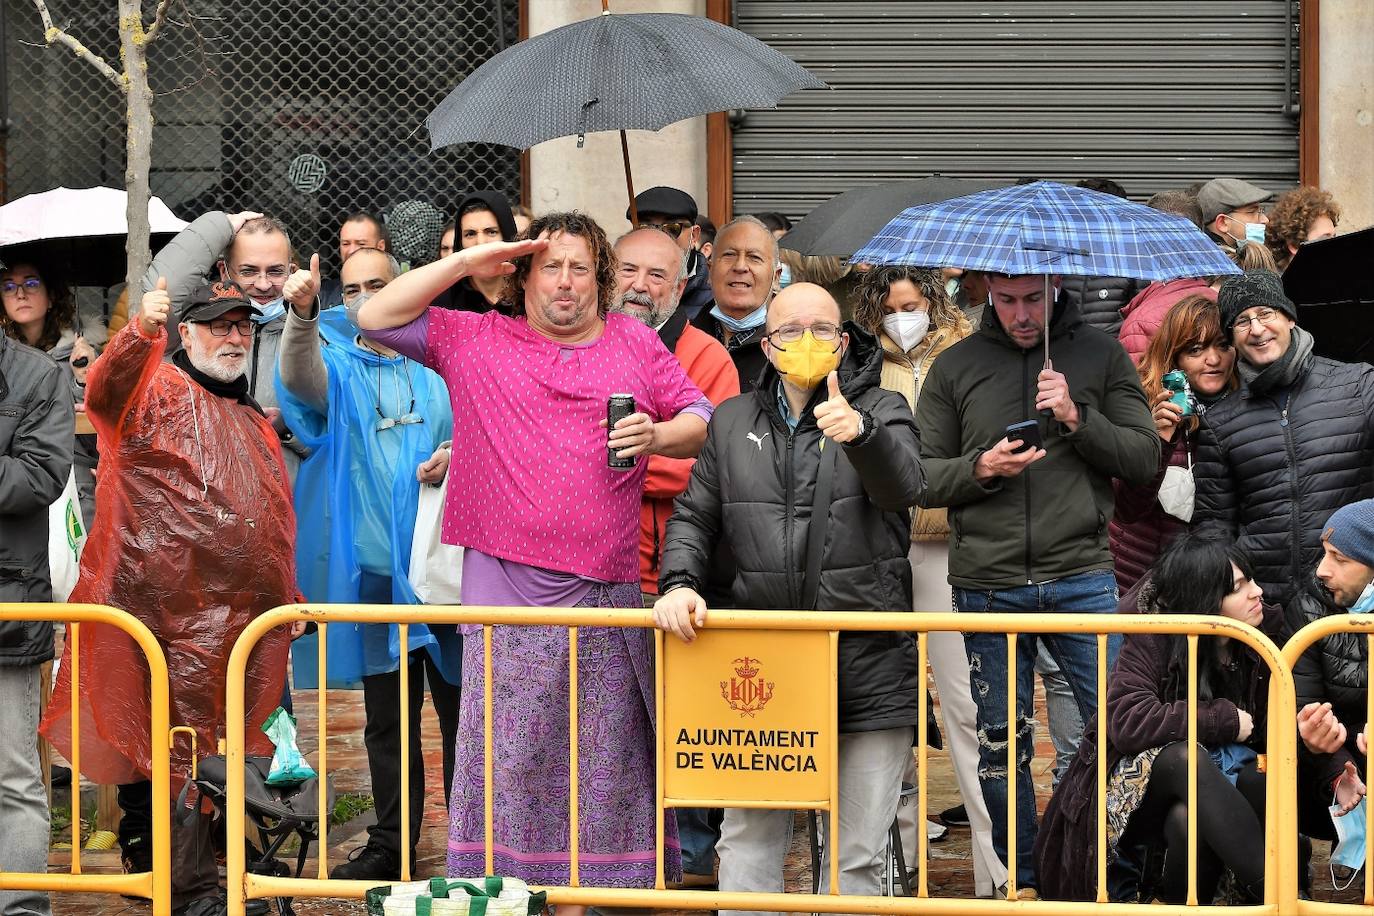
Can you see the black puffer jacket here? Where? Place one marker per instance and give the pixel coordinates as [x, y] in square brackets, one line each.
[752, 487]
[36, 422]
[1270, 477]
[1100, 299]
[1334, 670]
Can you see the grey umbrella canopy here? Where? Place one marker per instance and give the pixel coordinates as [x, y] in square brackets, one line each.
[633, 71]
[846, 222]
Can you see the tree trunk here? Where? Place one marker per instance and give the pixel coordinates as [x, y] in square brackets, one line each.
[139, 141]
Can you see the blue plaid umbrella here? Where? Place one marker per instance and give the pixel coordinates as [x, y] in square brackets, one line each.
[1048, 228]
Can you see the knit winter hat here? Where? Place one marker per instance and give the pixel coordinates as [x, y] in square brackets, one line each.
[1252, 288]
[1351, 531]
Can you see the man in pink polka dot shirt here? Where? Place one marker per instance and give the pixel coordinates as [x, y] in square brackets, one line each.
[547, 523]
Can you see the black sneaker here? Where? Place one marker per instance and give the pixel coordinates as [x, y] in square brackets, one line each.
[369, 863]
[218, 905]
[136, 855]
[954, 817]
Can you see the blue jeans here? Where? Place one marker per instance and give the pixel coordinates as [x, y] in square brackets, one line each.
[698, 830]
[1076, 655]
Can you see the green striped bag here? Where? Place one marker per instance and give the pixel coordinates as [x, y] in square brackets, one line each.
[489, 896]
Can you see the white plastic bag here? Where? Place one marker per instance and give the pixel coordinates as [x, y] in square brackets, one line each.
[436, 568]
[66, 540]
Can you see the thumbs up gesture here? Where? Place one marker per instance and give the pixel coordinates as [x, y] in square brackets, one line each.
[302, 287]
[152, 314]
[836, 419]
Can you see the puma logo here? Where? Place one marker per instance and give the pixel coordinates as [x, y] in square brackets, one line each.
[756, 440]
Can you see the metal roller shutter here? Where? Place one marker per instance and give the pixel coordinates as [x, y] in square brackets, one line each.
[1154, 95]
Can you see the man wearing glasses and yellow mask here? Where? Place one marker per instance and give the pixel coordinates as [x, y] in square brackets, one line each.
[808, 479]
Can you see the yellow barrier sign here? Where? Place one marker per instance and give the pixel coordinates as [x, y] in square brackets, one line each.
[746, 717]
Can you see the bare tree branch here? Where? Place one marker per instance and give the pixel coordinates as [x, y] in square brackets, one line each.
[52, 33]
[159, 18]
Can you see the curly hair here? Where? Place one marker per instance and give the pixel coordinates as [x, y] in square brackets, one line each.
[577, 223]
[1193, 321]
[876, 284]
[61, 307]
[1292, 214]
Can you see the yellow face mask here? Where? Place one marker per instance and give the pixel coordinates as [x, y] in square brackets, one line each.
[808, 361]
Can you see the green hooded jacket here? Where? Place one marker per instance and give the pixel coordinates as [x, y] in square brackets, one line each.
[1051, 520]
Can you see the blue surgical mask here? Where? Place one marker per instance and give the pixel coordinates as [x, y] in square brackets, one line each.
[1350, 839]
[1365, 603]
[785, 278]
[271, 311]
[754, 319]
[1254, 233]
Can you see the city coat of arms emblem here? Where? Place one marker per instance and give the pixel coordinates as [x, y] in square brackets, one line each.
[747, 692]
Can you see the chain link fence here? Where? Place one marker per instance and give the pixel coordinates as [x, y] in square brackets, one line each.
[306, 110]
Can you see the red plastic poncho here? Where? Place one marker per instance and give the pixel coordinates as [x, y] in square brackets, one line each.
[194, 535]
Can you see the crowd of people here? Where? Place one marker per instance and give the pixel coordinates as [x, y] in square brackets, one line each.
[806, 434]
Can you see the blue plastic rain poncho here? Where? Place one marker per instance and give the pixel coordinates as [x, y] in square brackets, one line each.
[356, 496]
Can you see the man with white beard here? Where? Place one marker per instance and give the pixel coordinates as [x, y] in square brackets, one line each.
[194, 536]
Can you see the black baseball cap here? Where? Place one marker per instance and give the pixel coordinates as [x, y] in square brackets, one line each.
[212, 300]
[665, 202]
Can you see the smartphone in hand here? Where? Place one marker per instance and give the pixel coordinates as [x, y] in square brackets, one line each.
[1027, 433]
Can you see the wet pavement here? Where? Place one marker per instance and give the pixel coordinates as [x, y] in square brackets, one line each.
[950, 868]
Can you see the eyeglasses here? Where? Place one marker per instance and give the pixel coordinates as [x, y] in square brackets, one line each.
[791, 333]
[674, 228]
[1263, 316]
[410, 419]
[247, 275]
[220, 326]
[31, 285]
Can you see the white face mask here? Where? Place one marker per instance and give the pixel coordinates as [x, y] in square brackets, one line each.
[907, 329]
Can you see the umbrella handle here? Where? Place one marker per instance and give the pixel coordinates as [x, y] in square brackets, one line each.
[629, 182]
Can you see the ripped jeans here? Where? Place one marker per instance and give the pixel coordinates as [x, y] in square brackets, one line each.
[1076, 655]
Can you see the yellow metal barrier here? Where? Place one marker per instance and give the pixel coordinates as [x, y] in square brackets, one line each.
[157, 884]
[1281, 885]
[1293, 650]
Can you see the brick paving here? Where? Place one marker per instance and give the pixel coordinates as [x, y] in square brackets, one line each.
[950, 869]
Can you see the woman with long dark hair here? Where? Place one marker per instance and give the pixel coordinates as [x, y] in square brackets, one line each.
[1147, 751]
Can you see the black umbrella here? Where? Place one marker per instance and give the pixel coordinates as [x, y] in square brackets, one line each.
[636, 71]
[845, 223]
[1333, 287]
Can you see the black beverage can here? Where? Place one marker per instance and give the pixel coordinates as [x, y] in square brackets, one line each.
[618, 407]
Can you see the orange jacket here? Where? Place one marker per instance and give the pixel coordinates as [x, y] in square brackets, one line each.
[709, 366]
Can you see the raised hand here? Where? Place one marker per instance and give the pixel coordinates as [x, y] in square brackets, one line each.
[834, 417]
[236, 220]
[302, 287]
[157, 304]
[494, 258]
[1167, 415]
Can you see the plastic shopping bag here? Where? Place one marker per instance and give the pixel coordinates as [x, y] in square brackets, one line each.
[489, 896]
[66, 540]
[436, 568]
[288, 766]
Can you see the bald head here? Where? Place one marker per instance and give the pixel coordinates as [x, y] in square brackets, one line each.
[803, 304]
[366, 270]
